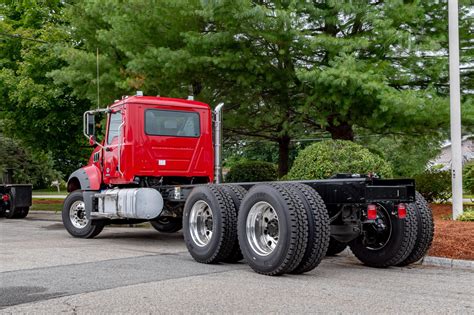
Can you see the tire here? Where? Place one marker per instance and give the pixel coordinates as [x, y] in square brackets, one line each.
[335, 247]
[272, 229]
[397, 246]
[424, 236]
[237, 193]
[2, 212]
[10, 212]
[167, 225]
[209, 224]
[21, 213]
[318, 227]
[79, 227]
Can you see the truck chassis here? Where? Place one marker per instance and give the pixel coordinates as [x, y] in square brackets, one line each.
[276, 227]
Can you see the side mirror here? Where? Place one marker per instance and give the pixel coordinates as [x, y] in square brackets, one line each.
[90, 124]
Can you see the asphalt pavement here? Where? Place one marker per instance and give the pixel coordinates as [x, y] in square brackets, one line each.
[43, 270]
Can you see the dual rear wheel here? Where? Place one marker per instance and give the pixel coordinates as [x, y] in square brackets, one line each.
[284, 228]
[276, 228]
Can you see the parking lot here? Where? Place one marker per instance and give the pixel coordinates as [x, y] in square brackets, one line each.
[138, 270]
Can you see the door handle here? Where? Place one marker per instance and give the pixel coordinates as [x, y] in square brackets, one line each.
[108, 149]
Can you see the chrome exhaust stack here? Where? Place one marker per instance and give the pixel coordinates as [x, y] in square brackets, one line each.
[218, 143]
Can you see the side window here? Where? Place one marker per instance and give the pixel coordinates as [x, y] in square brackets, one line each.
[114, 125]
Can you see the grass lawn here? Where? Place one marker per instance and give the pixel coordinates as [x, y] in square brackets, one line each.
[49, 192]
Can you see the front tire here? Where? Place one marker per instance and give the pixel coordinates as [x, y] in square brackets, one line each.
[75, 220]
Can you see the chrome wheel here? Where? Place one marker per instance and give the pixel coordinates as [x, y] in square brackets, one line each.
[77, 214]
[200, 223]
[263, 228]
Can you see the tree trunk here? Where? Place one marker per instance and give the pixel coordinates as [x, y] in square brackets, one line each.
[283, 155]
[341, 131]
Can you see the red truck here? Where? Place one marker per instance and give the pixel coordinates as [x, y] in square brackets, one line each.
[160, 161]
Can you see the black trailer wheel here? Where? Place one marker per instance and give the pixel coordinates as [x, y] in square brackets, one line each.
[75, 220]
[10, 212]
[318, 227]
[424, 236]
[387, 241]
[237, 193]
[335, 247]
[167, 225]
[209, 224]
[272, 229]
[22, 212]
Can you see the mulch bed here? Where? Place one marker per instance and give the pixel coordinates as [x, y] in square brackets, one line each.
[47, 201]
[452, 239]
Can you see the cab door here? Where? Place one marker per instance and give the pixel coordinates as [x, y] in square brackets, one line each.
[112, 147]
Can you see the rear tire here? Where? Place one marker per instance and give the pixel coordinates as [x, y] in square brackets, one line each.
[272, 229]
[335, 247]
[167, 225]
[237, 193]
[318, 227]
[395, 245]
[209, 224]
[75, 220]
[424, 237]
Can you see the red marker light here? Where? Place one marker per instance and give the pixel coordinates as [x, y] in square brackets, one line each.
[371, 212]
[5, 198]
[402, 211]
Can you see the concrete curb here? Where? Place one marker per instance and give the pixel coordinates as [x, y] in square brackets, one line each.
[448, 262]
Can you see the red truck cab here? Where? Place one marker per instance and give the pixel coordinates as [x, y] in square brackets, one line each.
[151, 139]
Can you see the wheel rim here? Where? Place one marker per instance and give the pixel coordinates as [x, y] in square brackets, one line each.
[378, 234]
[263, 228]
[77, 214]
[201, 223]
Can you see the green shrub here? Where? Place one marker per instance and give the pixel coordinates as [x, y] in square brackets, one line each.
[468, 178]
[468, 215]
[324, 159]
[251, 171]
[434, 185]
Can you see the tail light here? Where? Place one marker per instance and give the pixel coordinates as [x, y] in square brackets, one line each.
[402, 211]
[371, 212]
[5, 198]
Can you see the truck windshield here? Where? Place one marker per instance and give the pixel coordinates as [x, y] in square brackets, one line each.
[171, 123]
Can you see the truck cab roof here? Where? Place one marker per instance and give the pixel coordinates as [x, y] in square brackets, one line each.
[157, 100]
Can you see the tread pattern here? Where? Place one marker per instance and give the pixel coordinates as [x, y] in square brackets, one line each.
[238, 193]
[318, 239]
[229, 225]
[425, 233]
[299, 235]
[402, 252]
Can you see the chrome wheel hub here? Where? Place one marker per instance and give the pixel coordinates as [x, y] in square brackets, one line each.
[263, 228]
[77, 214]
[200, 223]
